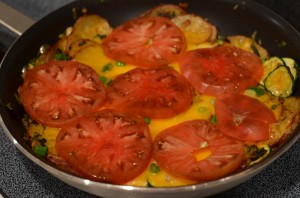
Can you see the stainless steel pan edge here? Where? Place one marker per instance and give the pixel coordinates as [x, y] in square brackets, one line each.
[11, 67]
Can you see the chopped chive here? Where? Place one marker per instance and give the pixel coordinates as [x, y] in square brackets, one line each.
[202, 109]
[103, 79]
[41, 150]
[154, 168]
[282, 44]
[259, 91]
[61, 56]
[147, 120]
[214, 119]
[120, 64]
[109, 82]
[107, 67]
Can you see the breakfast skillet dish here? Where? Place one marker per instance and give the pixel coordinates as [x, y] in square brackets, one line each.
[161, 100]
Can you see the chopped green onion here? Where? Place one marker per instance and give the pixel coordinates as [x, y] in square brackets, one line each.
[109, 82]
[103, 79]
[107, 67]
[259, 91]
[202, 109]
[154, 168]
[214, 119]
[282, 44]
[147, 120]
[41, 150]
[120, 64]
[61, 56]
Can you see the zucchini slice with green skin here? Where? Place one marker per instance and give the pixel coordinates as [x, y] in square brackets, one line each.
[291, 63]
[280, 82]
[270, 65]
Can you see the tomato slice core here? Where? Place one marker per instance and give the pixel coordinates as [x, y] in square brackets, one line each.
[221, 70]
[243, 117]
[152, 93]
[146, 42]
[107, 146]
[58, 93]
[197, 150]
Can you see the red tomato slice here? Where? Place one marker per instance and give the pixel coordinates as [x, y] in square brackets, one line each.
[243, 117]
[175, 150]
[221, 70]
[153, 93]
[146, 41]
[58, 93]
[107, 146]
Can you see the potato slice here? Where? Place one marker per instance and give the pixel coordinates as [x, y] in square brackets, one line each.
[249, 45]
[196, 29]
[92, 27]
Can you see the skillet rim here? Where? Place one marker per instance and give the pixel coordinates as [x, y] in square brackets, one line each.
[273, 156]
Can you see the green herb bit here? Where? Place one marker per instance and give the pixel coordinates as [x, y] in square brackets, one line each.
[221, 39]
[154, 168]
[107, 67]
[214, 119]
[103, 79]
[120, 64]
[202, 109]
[109, 82]
[61, 56]
[259, 91]
[41, 150]
[282, 44]
[147, 120]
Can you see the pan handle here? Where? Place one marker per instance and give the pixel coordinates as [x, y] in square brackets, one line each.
[13, 19]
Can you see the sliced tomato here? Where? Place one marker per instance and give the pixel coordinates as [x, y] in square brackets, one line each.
[197, 150]
[107, 146]
[59, 92]
[221, 70]
[243, 117]
[153, 93]
[146, 42]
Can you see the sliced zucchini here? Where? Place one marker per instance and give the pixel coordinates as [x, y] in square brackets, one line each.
[280, 82]
[291, 63]
[256, 153]
[269, 66]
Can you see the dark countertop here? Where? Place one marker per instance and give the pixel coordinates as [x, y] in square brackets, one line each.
[20, 177]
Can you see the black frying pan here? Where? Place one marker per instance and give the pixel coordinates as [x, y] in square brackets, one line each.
[249, 17]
